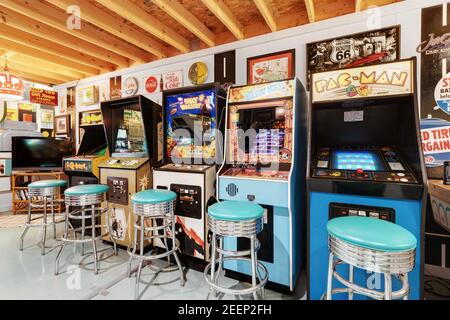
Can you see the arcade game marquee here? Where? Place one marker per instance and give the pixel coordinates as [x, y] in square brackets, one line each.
[133, 129]
[192, 119]
[365, 160]
[83, 168]
[265, 149]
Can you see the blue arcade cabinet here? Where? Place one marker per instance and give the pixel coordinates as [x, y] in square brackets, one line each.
[365, 159]
[265, 162]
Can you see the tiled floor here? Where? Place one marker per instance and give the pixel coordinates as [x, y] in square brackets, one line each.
[28, 275]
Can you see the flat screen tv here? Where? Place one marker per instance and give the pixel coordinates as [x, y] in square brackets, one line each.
[37, 153]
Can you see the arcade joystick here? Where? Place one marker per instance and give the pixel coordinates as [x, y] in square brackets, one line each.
[359, 171]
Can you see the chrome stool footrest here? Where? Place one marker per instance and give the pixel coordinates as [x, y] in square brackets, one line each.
[91, 210]
[44, 199]
[164, 212]
[262, 275]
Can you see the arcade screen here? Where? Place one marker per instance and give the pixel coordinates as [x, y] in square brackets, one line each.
[263, 133]
[191, 125]
[129, 131]
[353, 160]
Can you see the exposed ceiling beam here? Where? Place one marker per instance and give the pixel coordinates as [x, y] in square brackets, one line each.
[358, 5]
[24, 23]
[55, 18]
[267, 13]
[23, 37]
[35, 70]
[310, 10]
[361, 5]
[46, 66]
[105, 21]
[224, 14]
[9, 45]
[142, 19]
[39, 78]
[177, 11]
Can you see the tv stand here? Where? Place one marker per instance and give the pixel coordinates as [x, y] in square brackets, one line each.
[19, 188]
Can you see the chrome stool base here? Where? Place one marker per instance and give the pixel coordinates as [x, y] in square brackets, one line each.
[144, 212]
[90, 210]
[396, 264]
[41, 198]
[245, 229]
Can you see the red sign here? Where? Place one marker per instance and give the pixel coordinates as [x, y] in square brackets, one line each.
[152, 84]
[43, 96]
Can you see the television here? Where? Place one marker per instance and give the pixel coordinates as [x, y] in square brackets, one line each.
[38, 153]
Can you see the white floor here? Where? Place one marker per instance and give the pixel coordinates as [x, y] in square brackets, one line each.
[28, 275]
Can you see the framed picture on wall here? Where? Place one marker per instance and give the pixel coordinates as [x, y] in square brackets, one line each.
[360, 49]
[271, 67]
[62, 124]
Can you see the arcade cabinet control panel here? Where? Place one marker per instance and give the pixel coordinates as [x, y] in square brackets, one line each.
[384, 165]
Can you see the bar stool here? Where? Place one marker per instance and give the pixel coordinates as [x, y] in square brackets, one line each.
[373, 245]
[235, 219]
[89, 197]
[152, 205]
[42, 193]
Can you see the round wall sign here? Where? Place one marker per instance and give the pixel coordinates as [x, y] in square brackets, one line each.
[151, 84]
[198, 73]
[130, 86]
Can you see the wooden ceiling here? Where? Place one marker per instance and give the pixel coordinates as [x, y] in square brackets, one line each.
[38, 45]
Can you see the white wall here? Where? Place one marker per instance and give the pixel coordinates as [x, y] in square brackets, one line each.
[406, 13]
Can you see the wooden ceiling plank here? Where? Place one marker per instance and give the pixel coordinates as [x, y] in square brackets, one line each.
[267, 13]
[24, 23]
[142, 19]
[359, 5]
[105, 21]
[47, 66]
[183, 16]
[224, 14]
[35, 70]
[310, 10]
[23, 37]
[39, 78]
[55, 18]
[46, 56]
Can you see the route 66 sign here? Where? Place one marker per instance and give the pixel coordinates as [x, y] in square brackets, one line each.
[342, 50]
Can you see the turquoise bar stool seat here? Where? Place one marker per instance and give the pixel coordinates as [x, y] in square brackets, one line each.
[47, 184]
[86, 189]
[235, 211]
[370, 233]
[235, 219]
[372, 245]
[154, 196]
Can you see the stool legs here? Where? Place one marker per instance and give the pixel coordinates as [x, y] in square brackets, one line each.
[52, 202]
[213, 266]
[182, 276]
[141, 253]
[94, 245]
[44, 228]
[83, 227]
[253, 258]
[65, 236]
[330, 276]
[387, 286]
[26, 227]
[350, 279]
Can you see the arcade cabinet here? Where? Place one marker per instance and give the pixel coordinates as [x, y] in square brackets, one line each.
[265, 150]
[83, 168]
[365, 160]
[133, 129]
[192, 119]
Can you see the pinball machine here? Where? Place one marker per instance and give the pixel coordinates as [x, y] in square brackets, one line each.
[133, 129]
